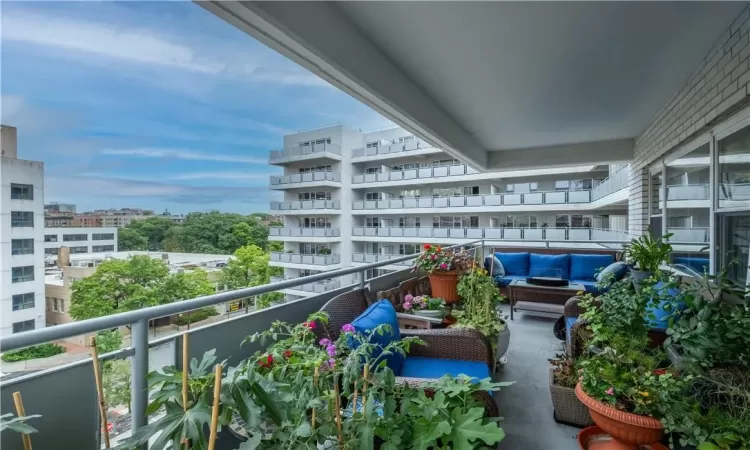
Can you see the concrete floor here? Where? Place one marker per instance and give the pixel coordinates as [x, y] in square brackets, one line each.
[526, 405]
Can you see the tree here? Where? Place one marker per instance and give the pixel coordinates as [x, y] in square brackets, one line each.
[250, 267]
[128, 239]
[216, 232]
[153, 229]
[116, 382]
[108, 341]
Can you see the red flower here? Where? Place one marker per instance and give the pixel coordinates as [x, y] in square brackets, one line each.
[309, 325]
[427, 246]
[439, 248]
[660, 371]
[267, 363]
[288, 354]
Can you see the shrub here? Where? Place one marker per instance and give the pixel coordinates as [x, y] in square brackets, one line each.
[196, 316]
[38, 351]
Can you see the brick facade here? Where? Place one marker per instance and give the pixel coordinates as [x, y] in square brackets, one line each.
[715, 90]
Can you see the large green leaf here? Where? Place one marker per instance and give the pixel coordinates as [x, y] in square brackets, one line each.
[426, 434]
[469, 428]
[17, 424]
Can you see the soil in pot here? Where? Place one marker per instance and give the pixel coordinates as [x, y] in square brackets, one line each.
[443, 285]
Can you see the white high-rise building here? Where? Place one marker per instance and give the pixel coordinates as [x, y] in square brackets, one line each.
[354, 198]
[21, 239]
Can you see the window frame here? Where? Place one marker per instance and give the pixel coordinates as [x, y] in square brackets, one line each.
[24, 250]
[22, 222]
[21, 191]
[24, 276]
[20, 302]
[25, 327]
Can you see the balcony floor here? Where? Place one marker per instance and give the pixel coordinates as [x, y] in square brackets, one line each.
[526, 405]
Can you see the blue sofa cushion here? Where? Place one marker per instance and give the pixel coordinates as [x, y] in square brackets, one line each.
[377, 314]
[617, 269]
[495, 266]
[569, 321]
[700, 265]
[585, 267]
[549, 265]
[507, 279]
[420, 367]
[589, 285]
[514, 263]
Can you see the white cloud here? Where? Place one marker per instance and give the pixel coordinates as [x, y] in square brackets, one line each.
[153, 152]
[219, 176]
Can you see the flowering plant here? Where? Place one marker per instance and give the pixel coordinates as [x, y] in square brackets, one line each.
[438, 259]
[422, 303]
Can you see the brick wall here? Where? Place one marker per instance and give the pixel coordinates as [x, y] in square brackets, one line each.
[716, 89]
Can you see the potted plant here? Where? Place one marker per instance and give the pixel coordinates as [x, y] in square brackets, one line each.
[443, 267]
[425, 306]
[628, 392]
[563, 378]
[324, 251]
[647, 253]
[480, 300]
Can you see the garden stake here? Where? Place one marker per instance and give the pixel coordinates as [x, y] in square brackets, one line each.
[215, 409]
[22, 413]
[365, 376]
[315, 385]
[185, 365]
[99, 389]
[337, 404]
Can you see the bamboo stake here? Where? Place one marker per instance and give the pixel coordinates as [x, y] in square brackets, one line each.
[185, 366]
[22, 413]
[215, 410]
[315, 385]
[99, 389]
[337, 404]
[365, 376]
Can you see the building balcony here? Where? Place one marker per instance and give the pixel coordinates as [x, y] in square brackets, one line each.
[314, 287]
[687, 192]
[306, 206]
[311, 234]
[693, 235]
[612, 184]
[414, 174]
[510, 234]
[494, 201]
[403, 150]
[380, 257]
[292, 154]
[302, 180]
[298, 258]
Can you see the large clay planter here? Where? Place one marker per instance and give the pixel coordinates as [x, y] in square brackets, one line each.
[628, 430]
[443, 285]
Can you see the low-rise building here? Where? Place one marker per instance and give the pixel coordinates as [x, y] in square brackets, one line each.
[79, 240]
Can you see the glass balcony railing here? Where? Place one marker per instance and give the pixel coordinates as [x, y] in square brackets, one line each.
[413, 174]
[688, 192]
[697, 235]
[293, 153]
[280, 181]
[615, 182]
[393, 149]
[316, 287]
[533, 234]
[304, 232]
[298, 258]
[475, 201]
[305, 205]
[379, 257]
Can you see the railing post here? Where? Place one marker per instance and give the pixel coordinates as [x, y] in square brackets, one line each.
[362, 279]
[139, 370]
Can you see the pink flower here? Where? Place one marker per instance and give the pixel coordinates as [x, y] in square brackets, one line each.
[309, 325]
[444, 266]
[407, 306]
[325, 342]
[408, 297]
[434, 257]
[328, 365]
[348, 328]
[331, 349]
[610, 391]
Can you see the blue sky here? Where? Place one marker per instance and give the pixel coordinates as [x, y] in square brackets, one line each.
[154, 104]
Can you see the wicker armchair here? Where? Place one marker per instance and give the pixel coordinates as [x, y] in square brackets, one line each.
[452, 343]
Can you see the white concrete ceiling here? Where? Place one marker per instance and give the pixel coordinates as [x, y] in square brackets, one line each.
[533, 83]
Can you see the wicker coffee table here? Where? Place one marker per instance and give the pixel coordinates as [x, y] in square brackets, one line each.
[533, 297]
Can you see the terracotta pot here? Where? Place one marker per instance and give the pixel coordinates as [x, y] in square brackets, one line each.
[628, 431]
[443, 285]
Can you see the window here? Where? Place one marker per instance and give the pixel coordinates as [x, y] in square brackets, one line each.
[326, 168]
[470, 222]
[375, 144]
[734, 170]
[75, 237]
[21, 219]
[314, 196]
[378, 169]
[448, 222]
[579, 221]
[471, 190]
[315, 142]
[372, 196]
[562, 185]
[103, 236]
[22, 247]
[446, 163]
[408, 222]
[314, 222]
[21, 274]
[21, 191]
[50, 251]
[314, 249]
[50, 238]
[562, 221]
[734, 246]
[26, 325]
[372, 222]
[23, 301]
[79, 249]
[61, 304]
[455, 191]
[103, 248]
[308, 272]
[54, 304]
[408, 249]
[521, 222]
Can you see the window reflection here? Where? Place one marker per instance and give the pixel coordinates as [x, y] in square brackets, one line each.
[734, 170]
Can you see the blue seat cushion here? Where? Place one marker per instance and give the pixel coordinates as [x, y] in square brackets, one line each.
[507, 279]
[569, 321]
[514, 263]
[589, 285]
[431, 368]
[557, 266]
[617, 269]
[494, 266]
[700, 265]
[585, 267]
[379, 313]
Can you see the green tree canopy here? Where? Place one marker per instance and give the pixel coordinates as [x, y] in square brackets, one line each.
[135, 283]
[250, 267]
[154, 229]
[128, 239]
